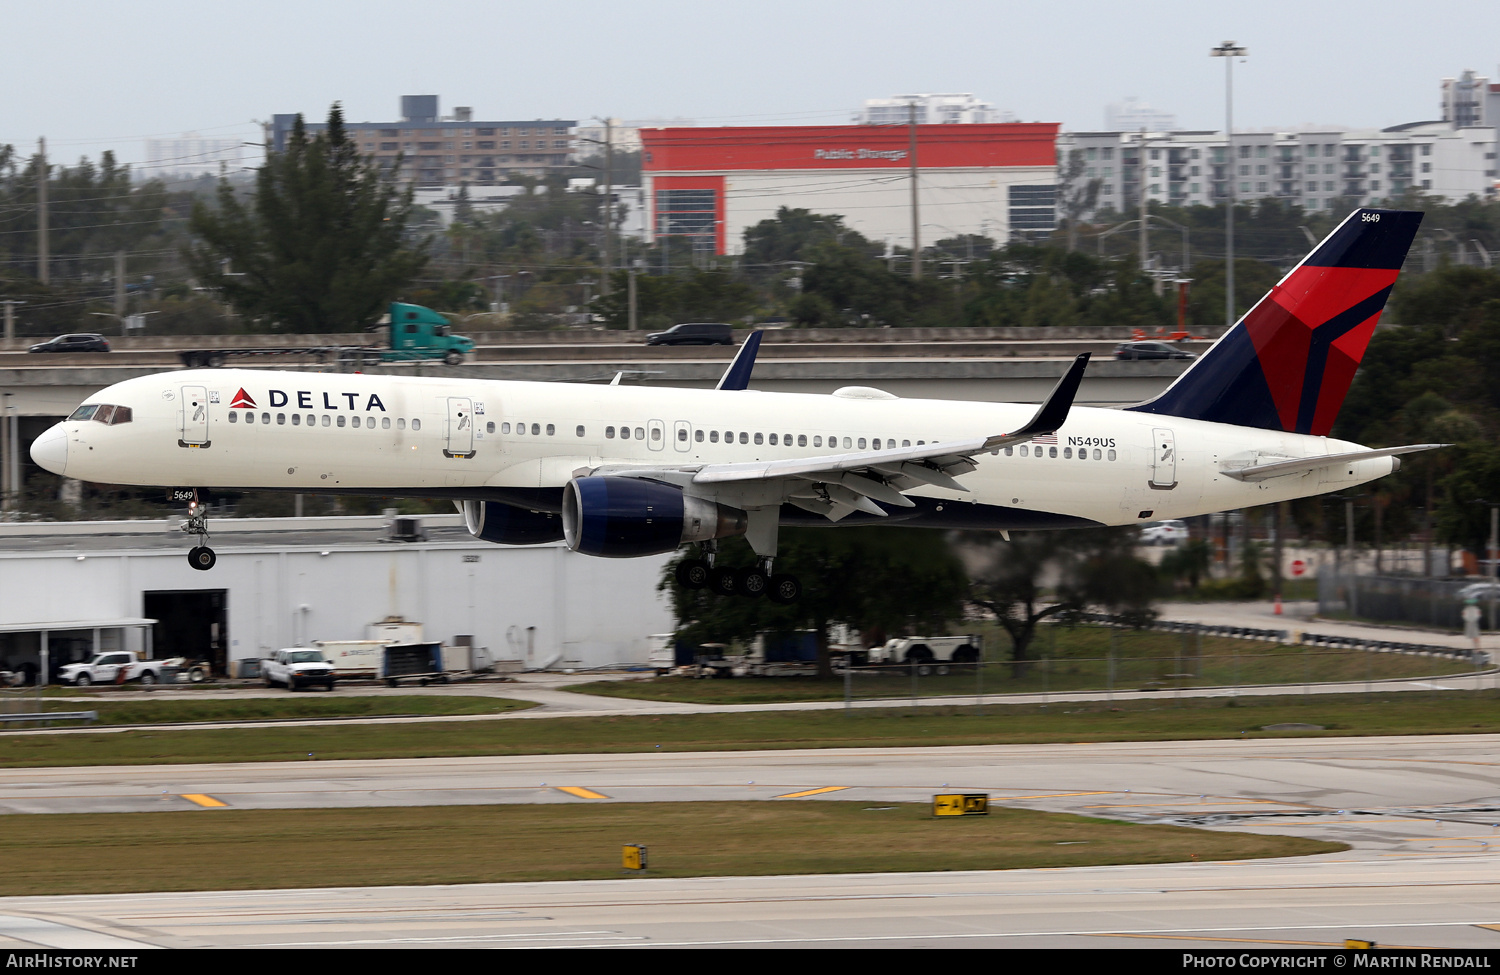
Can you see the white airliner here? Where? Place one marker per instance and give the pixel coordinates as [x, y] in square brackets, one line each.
[620, 471]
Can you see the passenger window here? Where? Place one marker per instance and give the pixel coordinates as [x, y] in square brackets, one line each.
[656, 433]
[341, 419]
[713, 435]
[847, 443]
[1111, 455]
[580, 430]
[729, 436]
[773, 439]
[698, 435]
[401, 424]
[385, 424]
[1051, 451]
[759, 439]
[802, 440]
[296, 419]
[249, 417]
[265, 418]
[1096, 453]
[817, 441]
[744, 437]
[504, 427]
[416, 424]
[551, 430]
[1067, 453]
[609, 433]
[489, 427]
[536, 429]
[624, 433]
[234, 417]
[1009, 451]
[681, 434]
[1025, 452]
[906, 443]
[640, 433]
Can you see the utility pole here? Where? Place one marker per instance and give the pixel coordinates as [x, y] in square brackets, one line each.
[5, 452]
[120, 289]
[10, 317]
[43, 272]
[632, 295]
[609, 205]
[916, 219]
[1145, 238]
[1229, 52]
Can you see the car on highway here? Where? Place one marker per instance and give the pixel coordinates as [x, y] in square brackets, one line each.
[1149, 350]
[78, 342]
[1170, 532]
[1480, 590]
[694, 333]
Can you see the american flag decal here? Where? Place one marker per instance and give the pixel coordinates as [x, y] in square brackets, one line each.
[1050, 438]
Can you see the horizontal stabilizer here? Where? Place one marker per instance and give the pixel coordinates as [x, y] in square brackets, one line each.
[1259, 472]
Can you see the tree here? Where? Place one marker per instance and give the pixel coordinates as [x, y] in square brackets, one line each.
[319, 248]
[866, 577]
[1093, 569]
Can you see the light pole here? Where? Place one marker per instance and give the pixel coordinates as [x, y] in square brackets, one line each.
[1229, 52]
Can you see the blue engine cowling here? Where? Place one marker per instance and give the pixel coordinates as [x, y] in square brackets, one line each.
[508, 525]
[626, 517]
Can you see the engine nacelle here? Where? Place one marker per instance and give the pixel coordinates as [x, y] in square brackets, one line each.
[626, 517]
[508, 525]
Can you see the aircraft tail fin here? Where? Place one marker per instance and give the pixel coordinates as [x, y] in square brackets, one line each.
[1288, 364]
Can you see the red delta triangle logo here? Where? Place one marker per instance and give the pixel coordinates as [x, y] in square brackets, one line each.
[242, 399]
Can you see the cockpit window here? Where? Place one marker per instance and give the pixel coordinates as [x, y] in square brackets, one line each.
[104, 413]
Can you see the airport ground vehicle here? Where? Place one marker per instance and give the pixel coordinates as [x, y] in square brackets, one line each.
[694, 333]
[929, 654]
[79, 342]
[414, 333]
[113, 667]
[296, 667]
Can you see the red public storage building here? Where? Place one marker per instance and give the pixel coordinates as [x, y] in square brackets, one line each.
[708, 184]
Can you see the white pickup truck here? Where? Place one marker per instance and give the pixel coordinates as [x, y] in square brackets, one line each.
[930, 654]
[112, 667]
[297, 667]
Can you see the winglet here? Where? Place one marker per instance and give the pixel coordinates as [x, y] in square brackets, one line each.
[737, 376]
[1053, 412]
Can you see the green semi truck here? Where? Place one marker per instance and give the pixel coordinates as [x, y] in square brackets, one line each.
[414, 333]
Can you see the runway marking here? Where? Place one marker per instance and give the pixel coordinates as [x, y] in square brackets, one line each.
[1252, 941]
[1052, 795]
[813, 792]
[1489, 927]
[68, 937]
[580, 792]
[207, 802]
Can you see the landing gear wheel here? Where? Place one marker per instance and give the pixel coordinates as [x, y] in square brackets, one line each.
[751, 582]
[721, 580]
[202, 558]
[785, 589]
[692, 574]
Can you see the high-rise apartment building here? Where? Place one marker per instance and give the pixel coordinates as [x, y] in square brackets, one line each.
[192, 155]
[954, 109]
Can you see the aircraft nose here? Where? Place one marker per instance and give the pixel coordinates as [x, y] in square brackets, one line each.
[50, 450]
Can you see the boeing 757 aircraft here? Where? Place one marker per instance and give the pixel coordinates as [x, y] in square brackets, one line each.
[620, 471]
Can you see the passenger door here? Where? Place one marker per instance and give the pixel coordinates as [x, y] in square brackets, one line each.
[1163, 460]
[194, 417]
[460, 438]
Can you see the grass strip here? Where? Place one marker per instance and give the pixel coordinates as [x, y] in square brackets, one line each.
[1152, 719]
[227, 849]
[294, 706]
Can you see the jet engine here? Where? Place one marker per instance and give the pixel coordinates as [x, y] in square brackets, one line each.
[508, 525]
[625, 517]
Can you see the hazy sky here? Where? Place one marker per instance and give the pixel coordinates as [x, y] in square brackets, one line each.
[107, 75]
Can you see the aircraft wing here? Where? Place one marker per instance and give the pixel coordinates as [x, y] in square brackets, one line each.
[1300, 465]
[837, 484]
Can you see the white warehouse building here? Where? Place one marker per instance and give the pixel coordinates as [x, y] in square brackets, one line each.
[76, 587]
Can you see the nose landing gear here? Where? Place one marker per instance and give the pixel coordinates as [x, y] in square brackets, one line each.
[200, 557]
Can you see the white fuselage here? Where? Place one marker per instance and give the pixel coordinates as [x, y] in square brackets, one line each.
[456, 437]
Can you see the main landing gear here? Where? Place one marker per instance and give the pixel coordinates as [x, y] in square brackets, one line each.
[753, 581]
[200, 557]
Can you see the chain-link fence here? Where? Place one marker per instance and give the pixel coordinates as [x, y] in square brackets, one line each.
[1400, 599]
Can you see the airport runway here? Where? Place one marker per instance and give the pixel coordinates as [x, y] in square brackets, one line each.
[1420, 814]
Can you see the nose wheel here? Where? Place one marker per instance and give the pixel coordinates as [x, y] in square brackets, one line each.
[200, 557]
